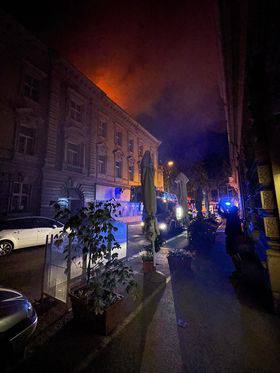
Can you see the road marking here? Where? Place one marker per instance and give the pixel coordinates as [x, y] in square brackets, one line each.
[166, 242]
[91, 356]
[178, 236]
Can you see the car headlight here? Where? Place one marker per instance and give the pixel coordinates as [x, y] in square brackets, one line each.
[142, 224]
[29, 309]
[162, 226]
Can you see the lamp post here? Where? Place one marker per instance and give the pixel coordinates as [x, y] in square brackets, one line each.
[170, 164]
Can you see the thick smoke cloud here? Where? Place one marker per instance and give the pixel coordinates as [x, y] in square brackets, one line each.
[156, 59]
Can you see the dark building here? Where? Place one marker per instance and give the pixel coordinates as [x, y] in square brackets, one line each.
[61, 137]
[249, 35]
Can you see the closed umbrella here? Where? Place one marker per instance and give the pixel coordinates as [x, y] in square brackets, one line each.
[149, 199]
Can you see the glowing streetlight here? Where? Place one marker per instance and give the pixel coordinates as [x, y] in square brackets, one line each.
[170, 163]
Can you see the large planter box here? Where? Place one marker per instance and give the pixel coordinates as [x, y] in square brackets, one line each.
[179, 263]
[102, 324]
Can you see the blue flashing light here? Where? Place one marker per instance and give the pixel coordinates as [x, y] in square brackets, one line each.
[227, 203]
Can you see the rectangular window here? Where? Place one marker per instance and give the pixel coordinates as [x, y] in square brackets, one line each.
[118, 169]
[20, 200]
[119, 138]
[76, 111]
[26, 140]
[75, 155]
[31, 87]
[102, 129]
[131, 172]
[131, 145]
[141, 150]
[102, 164]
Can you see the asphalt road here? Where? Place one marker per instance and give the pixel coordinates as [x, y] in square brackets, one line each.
[23, 269]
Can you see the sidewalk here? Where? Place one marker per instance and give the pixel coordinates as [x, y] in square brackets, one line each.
[228, 328]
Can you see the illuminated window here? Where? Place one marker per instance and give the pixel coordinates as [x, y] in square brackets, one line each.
[118, 169]
[75, 155]
[102, 163]
[131, 145]
[26, 140]
[20, 199]
[118, 139]
[102, 131]
[76, 111]
[31, 87]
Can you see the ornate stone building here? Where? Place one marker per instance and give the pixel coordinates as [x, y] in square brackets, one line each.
[249, 34]
[61, 136]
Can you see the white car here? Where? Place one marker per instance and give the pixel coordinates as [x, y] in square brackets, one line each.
[17, 233]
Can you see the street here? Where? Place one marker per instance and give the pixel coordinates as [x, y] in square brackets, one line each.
[139, 155]
[202, 320]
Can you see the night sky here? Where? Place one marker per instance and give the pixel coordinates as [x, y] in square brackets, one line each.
[156, 59]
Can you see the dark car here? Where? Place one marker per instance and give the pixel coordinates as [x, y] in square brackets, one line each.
[18, 321]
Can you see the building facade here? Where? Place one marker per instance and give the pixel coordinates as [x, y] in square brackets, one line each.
[61, 137]
[250, 53]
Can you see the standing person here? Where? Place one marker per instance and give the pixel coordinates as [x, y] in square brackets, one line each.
[233, 232]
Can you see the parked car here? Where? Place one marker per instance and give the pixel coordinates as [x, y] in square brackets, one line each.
[17, 233]
[18, 321]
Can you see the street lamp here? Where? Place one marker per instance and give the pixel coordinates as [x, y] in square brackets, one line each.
[170, 164]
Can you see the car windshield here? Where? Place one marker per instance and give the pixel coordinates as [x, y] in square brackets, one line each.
[164, 207]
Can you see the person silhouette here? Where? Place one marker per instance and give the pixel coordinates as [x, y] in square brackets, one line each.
[233, 228]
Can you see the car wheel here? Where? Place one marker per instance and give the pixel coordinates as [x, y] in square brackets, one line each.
[6, 247]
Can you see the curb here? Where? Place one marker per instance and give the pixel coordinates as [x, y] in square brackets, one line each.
[94, 354]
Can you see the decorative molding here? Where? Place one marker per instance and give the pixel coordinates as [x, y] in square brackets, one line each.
[264, 175]
[271, 227]
[268, 201]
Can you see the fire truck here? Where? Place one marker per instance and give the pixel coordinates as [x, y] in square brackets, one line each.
[169, 213]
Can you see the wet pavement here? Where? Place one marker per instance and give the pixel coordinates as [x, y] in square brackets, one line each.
[203, 320]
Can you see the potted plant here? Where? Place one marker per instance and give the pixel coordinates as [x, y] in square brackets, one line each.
[180, 259]
[148, 261]
[91, 231]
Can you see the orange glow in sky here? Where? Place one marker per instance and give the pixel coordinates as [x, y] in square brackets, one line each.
[112, 92]
[108, 81]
